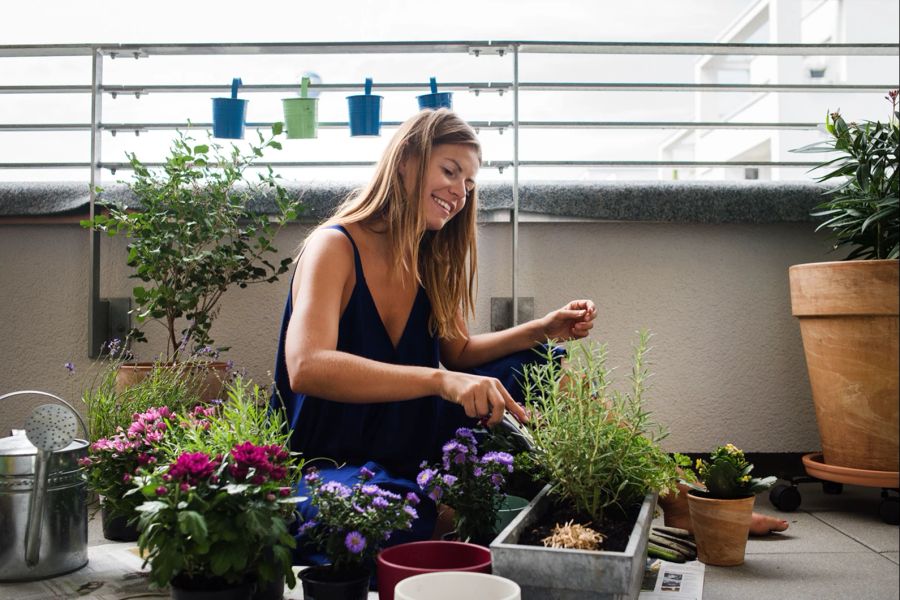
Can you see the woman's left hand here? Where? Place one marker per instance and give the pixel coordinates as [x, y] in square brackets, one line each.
[571, 322]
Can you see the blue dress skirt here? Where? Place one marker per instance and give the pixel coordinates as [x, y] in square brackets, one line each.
[390, 439]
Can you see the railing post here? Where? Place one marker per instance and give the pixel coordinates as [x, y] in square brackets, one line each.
[515, 188]
[98, 310]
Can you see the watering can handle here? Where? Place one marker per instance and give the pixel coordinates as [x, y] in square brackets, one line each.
[57, 398]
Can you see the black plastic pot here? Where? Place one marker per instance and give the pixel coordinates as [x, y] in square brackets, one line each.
[324, 583]
[116, 527]
[183, 588]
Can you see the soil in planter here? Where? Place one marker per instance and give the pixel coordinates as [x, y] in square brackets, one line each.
[615, 528]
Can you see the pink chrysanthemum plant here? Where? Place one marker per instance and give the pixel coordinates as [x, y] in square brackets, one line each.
[352, 522]
[211, 520]
[472, 484]
[112, 462]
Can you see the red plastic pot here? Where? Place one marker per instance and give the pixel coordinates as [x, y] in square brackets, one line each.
[405, 560]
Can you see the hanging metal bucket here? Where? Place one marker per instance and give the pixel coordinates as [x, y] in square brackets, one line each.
[43, 500]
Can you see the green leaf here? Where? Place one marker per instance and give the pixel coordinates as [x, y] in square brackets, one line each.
[193, 524]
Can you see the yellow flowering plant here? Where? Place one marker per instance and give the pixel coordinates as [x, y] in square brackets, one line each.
[726, 474]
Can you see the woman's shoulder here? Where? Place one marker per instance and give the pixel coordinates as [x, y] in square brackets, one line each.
[329, 244]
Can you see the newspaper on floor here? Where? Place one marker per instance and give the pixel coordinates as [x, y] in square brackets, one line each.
[113, 572]
[665, 580]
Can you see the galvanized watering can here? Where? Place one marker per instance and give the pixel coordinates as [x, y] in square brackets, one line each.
[43, 494]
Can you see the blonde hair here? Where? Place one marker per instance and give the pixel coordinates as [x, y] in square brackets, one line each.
[444, 262]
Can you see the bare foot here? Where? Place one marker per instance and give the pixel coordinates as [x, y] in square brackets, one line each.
[677, 514]
[764, 525]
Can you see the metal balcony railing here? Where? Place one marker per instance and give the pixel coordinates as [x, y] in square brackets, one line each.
[99, 89]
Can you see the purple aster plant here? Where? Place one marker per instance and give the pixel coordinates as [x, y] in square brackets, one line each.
[472, 484]
[353, 521]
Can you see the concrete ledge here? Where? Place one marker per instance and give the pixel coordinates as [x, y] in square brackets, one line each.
[672, 202]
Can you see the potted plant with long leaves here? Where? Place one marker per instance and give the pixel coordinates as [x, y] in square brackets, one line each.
[193, 235]
[848, 310]
[585, 534]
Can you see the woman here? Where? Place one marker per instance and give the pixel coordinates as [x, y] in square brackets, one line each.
[379, 301]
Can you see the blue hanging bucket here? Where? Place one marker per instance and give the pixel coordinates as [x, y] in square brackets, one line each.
[365, 112]
[435, 99]
[230, 114]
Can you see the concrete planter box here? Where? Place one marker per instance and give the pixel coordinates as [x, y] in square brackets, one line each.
[559, 574]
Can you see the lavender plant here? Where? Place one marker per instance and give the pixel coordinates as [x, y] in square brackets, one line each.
[352, 522]
[472, 484]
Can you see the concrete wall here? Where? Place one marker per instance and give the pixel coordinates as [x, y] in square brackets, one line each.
[727, 354]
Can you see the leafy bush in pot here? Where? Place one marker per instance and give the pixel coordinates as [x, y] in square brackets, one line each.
[194, 234]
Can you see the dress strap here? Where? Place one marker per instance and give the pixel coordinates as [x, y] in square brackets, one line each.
[357, 261]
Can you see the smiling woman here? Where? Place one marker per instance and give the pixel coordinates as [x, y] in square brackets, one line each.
[379, 302]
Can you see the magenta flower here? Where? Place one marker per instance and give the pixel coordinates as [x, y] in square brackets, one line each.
[192, 467]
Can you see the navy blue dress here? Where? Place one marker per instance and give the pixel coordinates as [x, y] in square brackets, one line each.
[389, 438]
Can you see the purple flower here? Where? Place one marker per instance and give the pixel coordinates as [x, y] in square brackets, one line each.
[497, 480]
[365, 474]
[370, 490]
[379, 502]
[305, 526]
[355, 542]
[465, 433]
[70, 367]
[411, 512]
[387, 494]
[412, 498]
[161, 490]
[311, 476]
[436, 493]
[336, 488]
[425, 477]
[449, 480]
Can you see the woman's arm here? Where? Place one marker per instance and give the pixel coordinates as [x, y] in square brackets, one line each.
[572, 321]
[317, 368]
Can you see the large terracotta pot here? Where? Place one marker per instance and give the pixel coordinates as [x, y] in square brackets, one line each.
[210, 377]
[720, 528]
[848, 314]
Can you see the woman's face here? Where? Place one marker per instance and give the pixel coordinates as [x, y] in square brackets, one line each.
[449, 179]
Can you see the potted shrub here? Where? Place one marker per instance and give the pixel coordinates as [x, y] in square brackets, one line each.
[216, 510]
[469, 482]
[349, 527]
[194, 235]
[848, 310]
[721, 510]
[598, 449]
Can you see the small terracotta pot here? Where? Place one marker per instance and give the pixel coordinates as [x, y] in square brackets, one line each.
[720, 528]
[211, 377]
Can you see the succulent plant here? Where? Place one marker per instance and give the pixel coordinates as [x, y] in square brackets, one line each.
[726, 474]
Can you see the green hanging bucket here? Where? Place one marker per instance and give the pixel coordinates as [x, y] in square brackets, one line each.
[301, 114]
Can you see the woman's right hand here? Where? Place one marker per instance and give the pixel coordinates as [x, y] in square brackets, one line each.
[480, 396]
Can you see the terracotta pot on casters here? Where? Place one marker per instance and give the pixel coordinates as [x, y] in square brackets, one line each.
[720, 528]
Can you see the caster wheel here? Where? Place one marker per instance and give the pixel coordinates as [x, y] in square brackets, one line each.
[832, 487]
[785, 498]
[889, 510]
